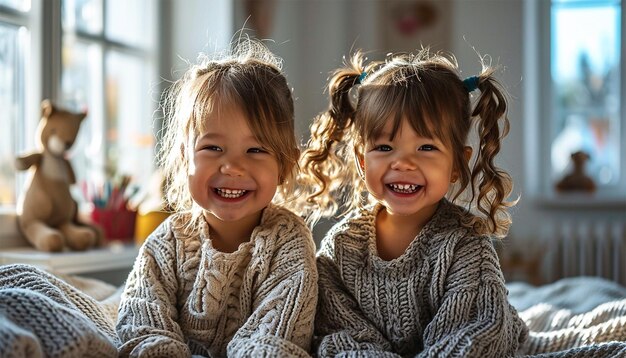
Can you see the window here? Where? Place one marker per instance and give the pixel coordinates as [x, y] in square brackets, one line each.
[99, 55]
[586, 77]
[583, 111]
[14, 44]
[108, 66]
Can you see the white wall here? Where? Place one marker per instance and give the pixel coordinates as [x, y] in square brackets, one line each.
[495, 28]
[312, 37]
[194, 26]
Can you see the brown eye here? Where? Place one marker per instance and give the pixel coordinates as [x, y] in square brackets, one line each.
[428, 147]
[211, 148]
[257, 150]
[383, 148]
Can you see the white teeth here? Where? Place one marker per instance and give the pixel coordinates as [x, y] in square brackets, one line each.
[230, 193]
[404, 188]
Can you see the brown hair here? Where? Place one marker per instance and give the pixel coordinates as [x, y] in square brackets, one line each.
[426, 90]
[250, 77]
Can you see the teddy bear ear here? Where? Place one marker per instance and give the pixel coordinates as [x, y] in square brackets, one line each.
[46, 108]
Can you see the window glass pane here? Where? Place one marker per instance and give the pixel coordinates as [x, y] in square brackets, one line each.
[12, 40]
[81, 88]
[129, 22]
[586, 72]
[83, 16]
[129, 109]
[20, 5]
[113, 82]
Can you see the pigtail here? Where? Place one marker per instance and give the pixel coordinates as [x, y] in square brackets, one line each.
[492, 184]
[324, 168]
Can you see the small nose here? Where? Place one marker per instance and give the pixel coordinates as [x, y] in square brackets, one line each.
[403, 162]
[231, 167]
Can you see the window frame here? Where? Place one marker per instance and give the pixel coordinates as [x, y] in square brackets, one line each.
[108, 46]
[33, 92]
[538, 93]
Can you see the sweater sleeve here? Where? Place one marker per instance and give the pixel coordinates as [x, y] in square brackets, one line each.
[341, 328]
[281, 322]
[147, 316]
[473, 317]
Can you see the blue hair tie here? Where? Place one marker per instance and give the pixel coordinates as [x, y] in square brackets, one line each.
[361, 77]
[471, 83]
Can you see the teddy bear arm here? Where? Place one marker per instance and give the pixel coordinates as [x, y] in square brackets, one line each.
[26, 161]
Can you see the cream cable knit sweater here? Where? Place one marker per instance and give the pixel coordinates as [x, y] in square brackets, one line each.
[445, 296]
[183, 297]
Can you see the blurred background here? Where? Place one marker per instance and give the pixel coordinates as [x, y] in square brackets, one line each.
[561, 61]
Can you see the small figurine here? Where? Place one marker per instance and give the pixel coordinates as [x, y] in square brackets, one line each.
[46, 211]
[577, 180]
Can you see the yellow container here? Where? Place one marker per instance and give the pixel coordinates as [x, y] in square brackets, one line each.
[146, 223]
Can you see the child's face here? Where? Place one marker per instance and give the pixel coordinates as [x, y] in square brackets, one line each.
[232, 176]
[409, 174]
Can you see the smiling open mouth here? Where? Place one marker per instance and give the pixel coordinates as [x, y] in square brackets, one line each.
[230, 193]
[404, 188]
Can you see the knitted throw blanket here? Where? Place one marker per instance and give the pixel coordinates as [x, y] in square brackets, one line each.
[44, 316]
[573, 317]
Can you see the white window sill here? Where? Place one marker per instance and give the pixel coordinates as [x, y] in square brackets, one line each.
[109, 258]
[9, 233]
[110, 264]
[582, 201]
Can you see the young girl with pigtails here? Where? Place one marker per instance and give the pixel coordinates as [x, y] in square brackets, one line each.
[411, 269]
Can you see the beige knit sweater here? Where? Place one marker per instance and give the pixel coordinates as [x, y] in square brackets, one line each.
[445, 296]
[183, 297]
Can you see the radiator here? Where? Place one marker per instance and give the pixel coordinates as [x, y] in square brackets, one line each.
[584, 248]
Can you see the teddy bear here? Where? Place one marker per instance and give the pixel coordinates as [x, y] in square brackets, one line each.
[47, 213]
